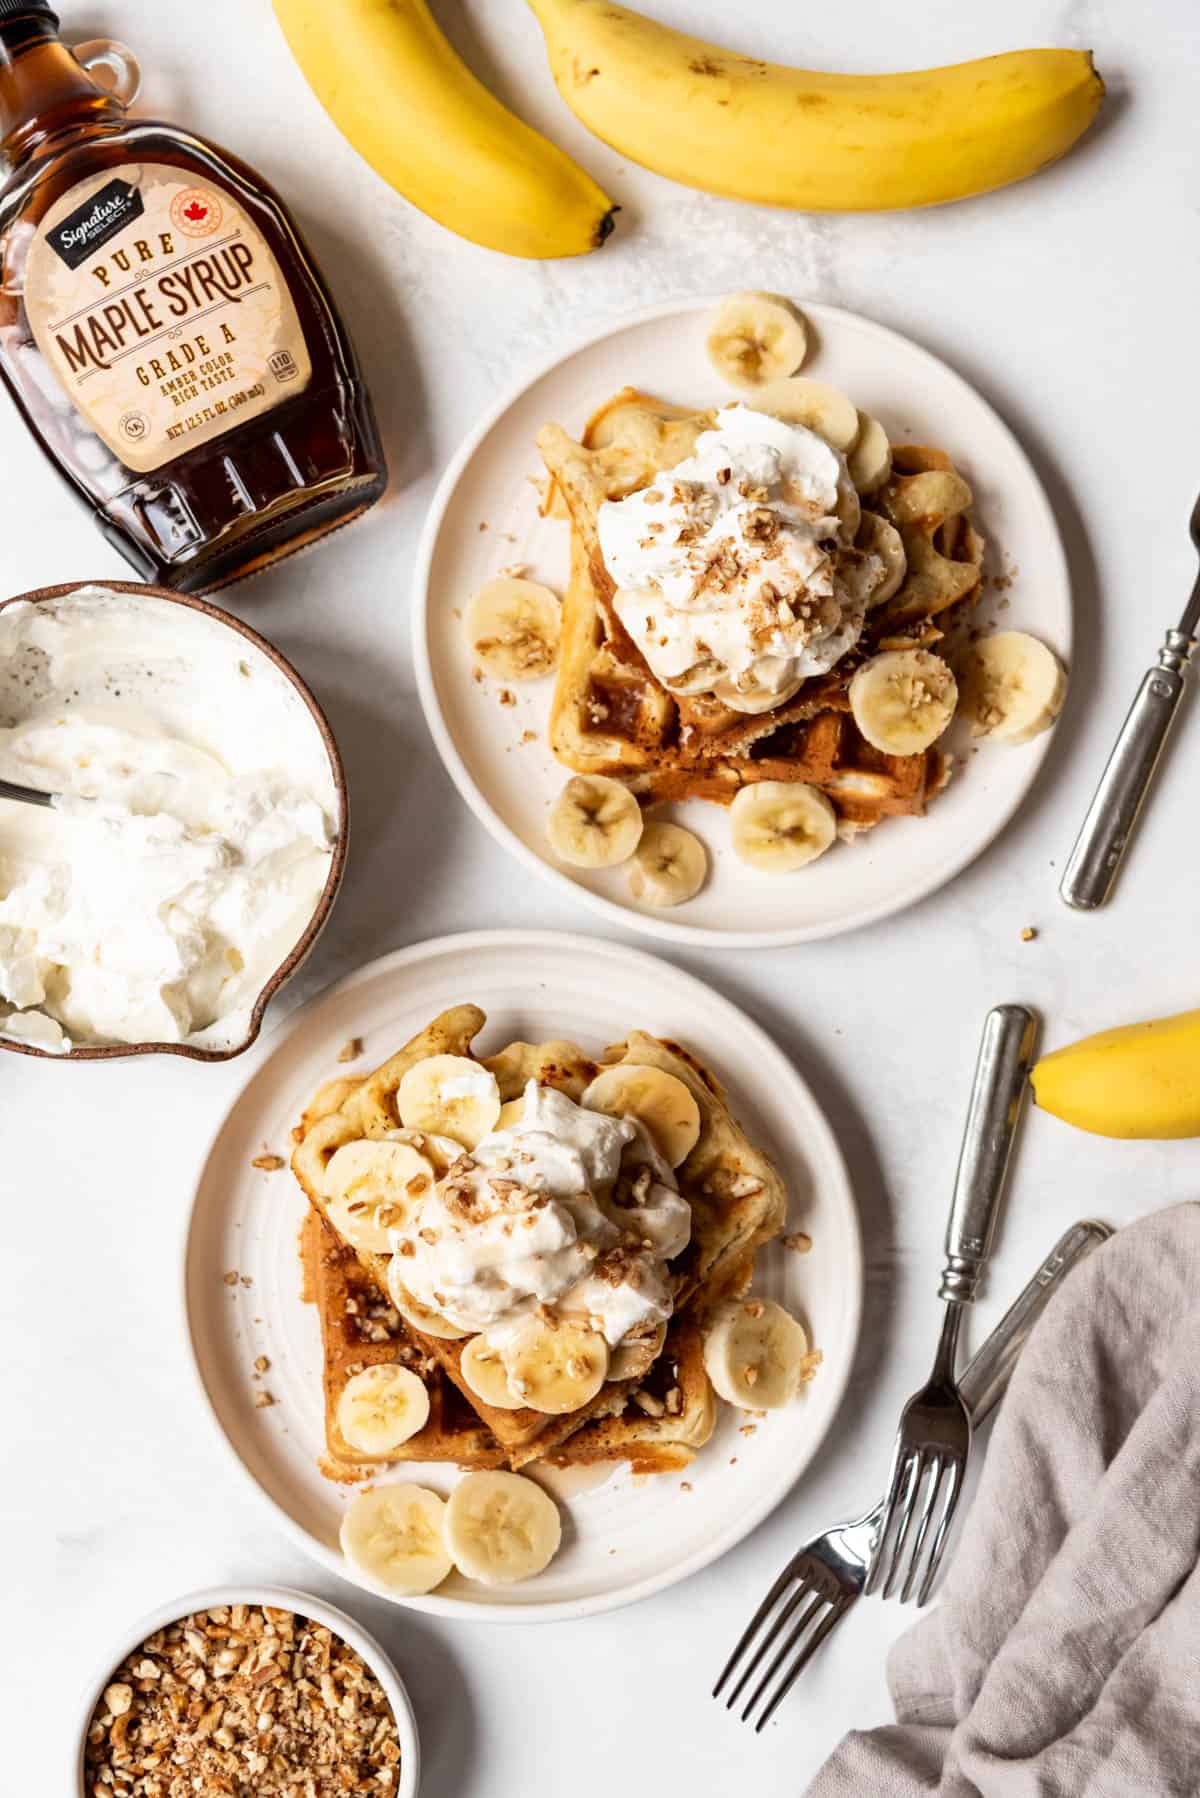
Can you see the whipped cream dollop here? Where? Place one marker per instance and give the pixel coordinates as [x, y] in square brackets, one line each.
[734, 570]
[567, 1208]
[153, 902]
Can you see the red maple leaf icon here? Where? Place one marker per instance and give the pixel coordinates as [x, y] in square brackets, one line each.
[195, 211]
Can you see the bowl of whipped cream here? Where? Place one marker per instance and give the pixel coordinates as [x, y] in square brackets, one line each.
[198, 833]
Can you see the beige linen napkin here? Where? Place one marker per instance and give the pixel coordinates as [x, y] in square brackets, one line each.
[1063, 1659]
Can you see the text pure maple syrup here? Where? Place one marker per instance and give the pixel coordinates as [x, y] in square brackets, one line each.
[163, 328]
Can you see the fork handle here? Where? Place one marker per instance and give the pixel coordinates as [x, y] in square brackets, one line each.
[983, 1380]
[1001, 1072]
[1100, 847]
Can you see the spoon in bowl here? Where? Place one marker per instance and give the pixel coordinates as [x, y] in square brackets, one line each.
[11, 789]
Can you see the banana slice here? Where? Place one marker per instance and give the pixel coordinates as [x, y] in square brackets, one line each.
[903, 699]
[513, 627]
[781, 824]
[637, 1355]
[879, 538]
[430, 1323]
[823, 409]
[595, 822]
[449, 1095]
[753, 1352]
[371, 1188]
[555, 1367]
[761, 688]
[511, 1112]
[396, 1536]
[1013, 687]
[701, 677]
[870, 461]
[756, 338]
[669, 865]
[657, 1099]
[501, 1528]
[381, 1407]
[485, 1373]
[442, 1151]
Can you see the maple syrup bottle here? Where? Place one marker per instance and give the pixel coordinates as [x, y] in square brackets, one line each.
[163, 329]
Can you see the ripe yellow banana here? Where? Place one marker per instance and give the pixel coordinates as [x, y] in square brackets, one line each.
[1142, 1080]
[391, 82]
[821, 143]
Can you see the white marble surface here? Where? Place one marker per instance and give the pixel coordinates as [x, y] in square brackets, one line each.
[1071, 302]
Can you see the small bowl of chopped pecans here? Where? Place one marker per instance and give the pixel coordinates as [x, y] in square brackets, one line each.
[246, 1689]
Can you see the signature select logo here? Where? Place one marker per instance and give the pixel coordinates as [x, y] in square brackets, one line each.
[96, 222]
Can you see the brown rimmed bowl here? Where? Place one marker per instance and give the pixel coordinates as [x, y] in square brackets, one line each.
[320, 917]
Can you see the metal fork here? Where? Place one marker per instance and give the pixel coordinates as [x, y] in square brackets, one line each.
[1096, 859]
[934, 1437]
[825, 1578]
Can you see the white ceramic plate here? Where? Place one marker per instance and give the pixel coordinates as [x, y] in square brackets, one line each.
[626, 1538]
[484, 518]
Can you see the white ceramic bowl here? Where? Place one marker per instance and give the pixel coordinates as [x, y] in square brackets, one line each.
[181, 633]
[285, 1599]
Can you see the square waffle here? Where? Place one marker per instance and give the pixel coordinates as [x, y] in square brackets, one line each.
[610, 715]
[736, 1197]
[361, 1328]
[664, 1421]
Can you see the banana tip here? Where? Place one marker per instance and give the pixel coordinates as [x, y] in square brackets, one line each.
[606, 227]
[1097, 77]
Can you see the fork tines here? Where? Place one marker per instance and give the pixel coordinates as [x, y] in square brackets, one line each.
[928, 1468]
[801, 1607]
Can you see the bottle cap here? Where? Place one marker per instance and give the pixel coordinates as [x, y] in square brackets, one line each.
[28, 9]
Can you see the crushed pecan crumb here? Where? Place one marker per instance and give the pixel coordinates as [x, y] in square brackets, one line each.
[351, 1050]
[242, 1699]
[270, 1164]
[262, 1398]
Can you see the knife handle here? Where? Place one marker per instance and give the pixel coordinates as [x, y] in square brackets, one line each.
[986, 1375]
[1001, 1072]
[1100, 848]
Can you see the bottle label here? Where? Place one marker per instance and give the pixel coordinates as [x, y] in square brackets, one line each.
[162, 310]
